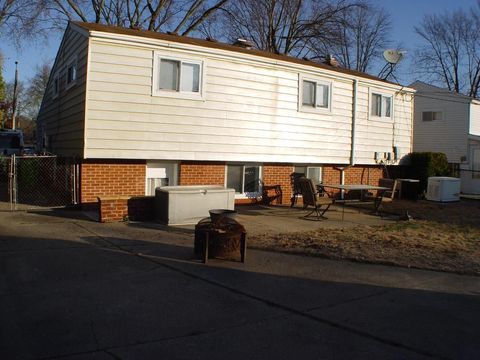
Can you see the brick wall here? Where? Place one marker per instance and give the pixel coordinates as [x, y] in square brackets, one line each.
[368, 174]
[111, 178]
[279, 174]
[137, 208]
[202, 173]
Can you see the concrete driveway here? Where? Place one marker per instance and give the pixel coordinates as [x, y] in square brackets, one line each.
[71, 288]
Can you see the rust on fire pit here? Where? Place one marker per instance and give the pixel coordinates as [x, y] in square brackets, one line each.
[224, 238]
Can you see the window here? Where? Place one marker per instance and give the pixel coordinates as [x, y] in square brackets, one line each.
[71, 73]
[314, 95]
[160, 174]
[381, 105]
[178, 78]
[432, 115]
[476, 162]
[311, 172]
[56, 86]
[245, 179]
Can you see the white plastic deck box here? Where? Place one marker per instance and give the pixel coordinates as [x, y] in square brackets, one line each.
[185, 205]
[443, 189]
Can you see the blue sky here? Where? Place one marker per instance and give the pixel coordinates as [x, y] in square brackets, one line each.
[405, 15]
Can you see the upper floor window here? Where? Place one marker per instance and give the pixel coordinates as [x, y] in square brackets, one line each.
[431, 115]
[71, 73]
[56, 86]
[381, 105]
[178, 77]
[315, 95]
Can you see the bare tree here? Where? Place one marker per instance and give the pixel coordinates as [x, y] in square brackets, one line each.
[363, 33]
[451, 51]
[19, 18]
[285, 26]
[178, 16]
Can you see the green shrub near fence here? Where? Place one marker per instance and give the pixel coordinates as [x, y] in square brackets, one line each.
[426, 164]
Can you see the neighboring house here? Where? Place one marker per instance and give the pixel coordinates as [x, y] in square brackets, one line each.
[143, 109]
[449, 123]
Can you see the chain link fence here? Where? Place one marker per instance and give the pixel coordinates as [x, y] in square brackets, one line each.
[37, 181]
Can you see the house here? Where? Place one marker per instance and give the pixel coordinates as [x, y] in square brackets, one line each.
[449, 123]
[142, 109]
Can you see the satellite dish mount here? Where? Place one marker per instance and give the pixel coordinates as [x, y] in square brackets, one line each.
[392, 57]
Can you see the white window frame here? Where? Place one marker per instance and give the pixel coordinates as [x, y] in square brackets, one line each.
[200, 95]
[317, 81]
[432, 111]
[473, 149]
[243, 195]
[72, 63]
[308, 167]
[383, 94]
[56, 86]
[154, 168]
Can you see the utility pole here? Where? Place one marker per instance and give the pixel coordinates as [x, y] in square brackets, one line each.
[14, 105]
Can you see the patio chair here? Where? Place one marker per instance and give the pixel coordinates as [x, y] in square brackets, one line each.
[310, 198]
[294, 177]
[383, 196]
[271, 193]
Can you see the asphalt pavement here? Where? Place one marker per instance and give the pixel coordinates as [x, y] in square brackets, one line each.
[71, 288]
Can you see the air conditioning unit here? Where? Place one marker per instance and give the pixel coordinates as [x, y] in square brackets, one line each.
[443, 189]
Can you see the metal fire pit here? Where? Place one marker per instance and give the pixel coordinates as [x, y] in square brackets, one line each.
[224, 238]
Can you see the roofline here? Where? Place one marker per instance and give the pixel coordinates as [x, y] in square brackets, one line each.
[446, 91]
[93, 27]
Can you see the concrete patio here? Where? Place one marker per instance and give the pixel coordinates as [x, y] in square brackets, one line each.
[76, 289]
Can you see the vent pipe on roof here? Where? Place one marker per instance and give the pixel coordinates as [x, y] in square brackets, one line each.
[244, 43]
[330, 60]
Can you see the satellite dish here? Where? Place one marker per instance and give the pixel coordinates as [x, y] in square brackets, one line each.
[393, 56]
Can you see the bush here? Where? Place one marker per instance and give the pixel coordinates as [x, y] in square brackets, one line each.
[426, 164]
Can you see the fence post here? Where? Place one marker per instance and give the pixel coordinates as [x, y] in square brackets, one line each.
[13, 183]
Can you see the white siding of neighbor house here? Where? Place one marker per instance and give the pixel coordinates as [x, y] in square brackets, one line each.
[250, 112]
[62, 117]
[475, 118]
[448, 135]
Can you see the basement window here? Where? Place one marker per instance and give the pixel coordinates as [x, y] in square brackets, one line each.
[244, 178]
[311, 172]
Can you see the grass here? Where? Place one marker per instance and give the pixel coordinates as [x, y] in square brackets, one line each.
[443, 237]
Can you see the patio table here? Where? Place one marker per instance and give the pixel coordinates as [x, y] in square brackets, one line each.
[355, 187]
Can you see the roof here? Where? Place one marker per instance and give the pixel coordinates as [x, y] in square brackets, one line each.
[218, 45]
[423, 86]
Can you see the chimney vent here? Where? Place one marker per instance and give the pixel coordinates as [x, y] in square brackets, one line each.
[244, 43]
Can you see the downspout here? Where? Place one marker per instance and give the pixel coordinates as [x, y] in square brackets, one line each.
[354, 121]
[354, 128]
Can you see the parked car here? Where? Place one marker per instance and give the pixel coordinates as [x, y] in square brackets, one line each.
[11, 142]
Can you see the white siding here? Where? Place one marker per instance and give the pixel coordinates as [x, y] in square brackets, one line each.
[474, 119]
[448, 135]
[63, 117]
[382, 134]
[249, 114]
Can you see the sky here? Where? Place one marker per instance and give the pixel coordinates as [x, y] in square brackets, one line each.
[406, 14]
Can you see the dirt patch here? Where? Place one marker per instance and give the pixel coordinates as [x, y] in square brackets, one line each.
[443, 237]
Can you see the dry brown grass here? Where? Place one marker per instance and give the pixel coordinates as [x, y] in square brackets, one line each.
[442, 237]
